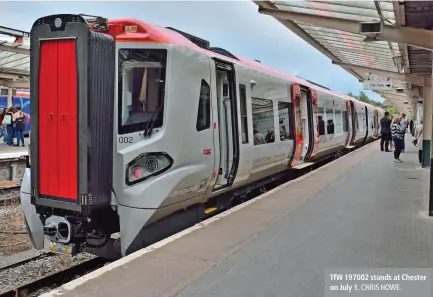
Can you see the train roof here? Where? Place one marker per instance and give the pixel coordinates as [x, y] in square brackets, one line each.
[134, 30]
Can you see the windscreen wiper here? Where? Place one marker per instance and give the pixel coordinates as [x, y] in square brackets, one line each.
[152, 121]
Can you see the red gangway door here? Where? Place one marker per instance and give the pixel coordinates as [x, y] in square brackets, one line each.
[57, 114]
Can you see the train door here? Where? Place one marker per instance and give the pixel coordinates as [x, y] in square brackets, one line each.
[353, 120]
[307, 119]
[227, 125]
[305, 124]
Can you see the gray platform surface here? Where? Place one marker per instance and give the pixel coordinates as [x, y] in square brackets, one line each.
[362, 211]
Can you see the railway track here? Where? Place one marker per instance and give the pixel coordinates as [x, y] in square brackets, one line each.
[50, 281]
[9, 200]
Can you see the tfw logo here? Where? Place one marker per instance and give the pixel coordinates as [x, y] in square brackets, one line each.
[207, 152]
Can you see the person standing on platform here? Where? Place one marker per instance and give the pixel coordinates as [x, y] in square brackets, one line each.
[419, 139]
[403, 124]
[385, 130]
[398, 138]
[411, 127]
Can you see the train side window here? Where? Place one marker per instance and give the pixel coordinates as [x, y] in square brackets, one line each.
[203, 114]
[321, 121]
[263, 121]
[339, 123]
[244, 116]
[330, 122]
[345, 121]
[284, 120]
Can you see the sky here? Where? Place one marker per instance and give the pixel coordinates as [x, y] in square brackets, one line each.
[233, 25]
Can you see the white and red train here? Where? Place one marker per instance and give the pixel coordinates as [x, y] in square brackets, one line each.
[159, 130]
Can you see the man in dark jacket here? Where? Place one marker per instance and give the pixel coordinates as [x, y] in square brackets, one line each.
[385, 130]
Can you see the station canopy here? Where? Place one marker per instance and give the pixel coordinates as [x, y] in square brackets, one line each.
[363, 57]
[14, 58]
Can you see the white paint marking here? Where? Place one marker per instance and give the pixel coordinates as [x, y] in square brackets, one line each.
[12, 155]
[96, 273]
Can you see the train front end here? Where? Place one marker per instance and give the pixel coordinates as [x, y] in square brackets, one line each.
[67, 188]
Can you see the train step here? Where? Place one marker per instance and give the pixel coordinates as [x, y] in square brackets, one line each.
[303, 165]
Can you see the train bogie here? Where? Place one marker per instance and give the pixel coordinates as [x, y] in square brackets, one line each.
[193, 127]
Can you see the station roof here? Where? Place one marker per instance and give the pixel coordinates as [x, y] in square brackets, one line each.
[14, 58]
[356, 53]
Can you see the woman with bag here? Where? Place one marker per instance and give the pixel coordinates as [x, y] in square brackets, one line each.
[20, 125]
[419, 139]
[397, 132]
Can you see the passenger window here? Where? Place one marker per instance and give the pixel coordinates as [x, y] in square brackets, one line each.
[321, 121]
[244, 117]
[203, 114]
[284, 120]
[345, 121]
[338, 122]
[330, 125]
[263, 121]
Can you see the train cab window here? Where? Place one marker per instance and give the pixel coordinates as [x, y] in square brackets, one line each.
[330, 122]
[141, 83]
[203, 114]
[284, 120]
[263, 121]
[244, 117]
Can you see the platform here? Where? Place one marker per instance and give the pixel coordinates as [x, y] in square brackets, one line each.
[360, 211]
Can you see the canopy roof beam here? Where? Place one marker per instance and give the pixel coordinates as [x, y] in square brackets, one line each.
[415, 79]
[12, 49]
[412, 36]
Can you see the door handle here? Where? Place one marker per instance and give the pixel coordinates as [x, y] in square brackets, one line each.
[51, 116]
[64, 118]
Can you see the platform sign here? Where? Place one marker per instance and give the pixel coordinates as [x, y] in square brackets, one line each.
[377, 85]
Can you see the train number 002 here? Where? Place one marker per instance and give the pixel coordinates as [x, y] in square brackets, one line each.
[126, 139]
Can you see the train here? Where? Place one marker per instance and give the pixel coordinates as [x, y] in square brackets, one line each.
[21, 98]
[158, 130]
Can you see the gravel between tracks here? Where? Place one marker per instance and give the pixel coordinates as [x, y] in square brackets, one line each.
[12, 277]
[13, 232]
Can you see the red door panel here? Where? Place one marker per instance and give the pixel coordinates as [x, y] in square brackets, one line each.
[57, 119]
[67, 114]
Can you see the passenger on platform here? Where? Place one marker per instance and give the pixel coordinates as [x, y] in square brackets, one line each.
[20, 125]
[398, 138]
[411, 127]
[3, 132]
[419, 139]
[385, 131]
[403, 124]
[10, 124]
[270, 137]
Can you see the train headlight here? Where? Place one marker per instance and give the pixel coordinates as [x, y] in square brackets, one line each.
[146, 166]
